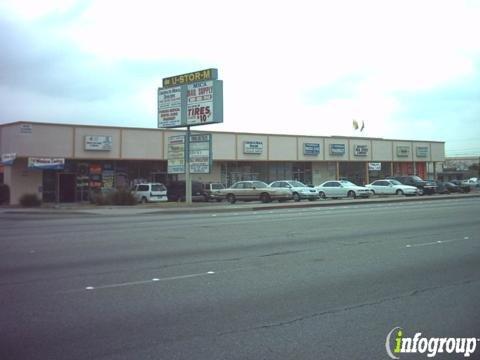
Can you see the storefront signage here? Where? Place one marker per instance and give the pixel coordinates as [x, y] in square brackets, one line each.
[252, 147]
[26, 129]
[337, 149]
[203, 100]
[200, 153]
[98, 143]
[170, 107]
[190, 99]
[360, 150]
[422, 151]
[403, 151]
[311, 149]
[176, 154]
[196, 76]
[374, 166]
[8, 159]
[46, 163]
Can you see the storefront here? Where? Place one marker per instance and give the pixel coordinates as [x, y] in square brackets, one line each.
[69, 163]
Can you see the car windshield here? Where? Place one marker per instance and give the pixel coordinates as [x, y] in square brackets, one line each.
[347, 183]
[217, 186]
[395, 182]
[297, 184]
[416, 178]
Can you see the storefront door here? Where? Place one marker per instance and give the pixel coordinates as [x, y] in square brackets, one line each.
[66, 184]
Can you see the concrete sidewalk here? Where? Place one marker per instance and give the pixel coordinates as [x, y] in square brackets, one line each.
[196, 208]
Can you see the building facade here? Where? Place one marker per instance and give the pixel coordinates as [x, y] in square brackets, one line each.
[66, 163]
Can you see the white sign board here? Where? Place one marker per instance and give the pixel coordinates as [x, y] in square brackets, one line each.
[170, 107]
[8, 159]
[98, 143]
[374, 166]
[176, 154]
[252, 147]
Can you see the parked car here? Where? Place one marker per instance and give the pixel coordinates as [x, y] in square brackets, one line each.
[342, 188]
[176, 191]
[472, 182]
[392, 187]
[211, 191]
[424, 187]
[255, 190]
[464, 188]
[299, 190]
[150, 192]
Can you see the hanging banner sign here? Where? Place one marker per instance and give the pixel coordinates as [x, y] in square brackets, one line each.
[46, 163]
[8, 159]
[374, 166]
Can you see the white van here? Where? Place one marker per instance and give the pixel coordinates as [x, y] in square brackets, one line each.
[151, 192]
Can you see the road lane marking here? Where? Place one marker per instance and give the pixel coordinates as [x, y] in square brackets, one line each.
[142, 282]
[436, 242]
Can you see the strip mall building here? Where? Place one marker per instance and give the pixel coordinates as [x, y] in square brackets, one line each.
[61, 163]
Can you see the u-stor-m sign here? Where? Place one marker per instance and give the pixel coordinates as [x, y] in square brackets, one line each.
[196, 99]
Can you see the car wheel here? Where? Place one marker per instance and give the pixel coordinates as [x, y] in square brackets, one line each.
[231, 198]
[373, 192]
[296, 197]
[206, 198]
[265, 198]
[219, 200]
[351, 194]
[144, 200]
[311, 199]
[399, 192]
[322, 195]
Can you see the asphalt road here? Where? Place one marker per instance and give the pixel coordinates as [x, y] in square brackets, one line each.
[313, 283]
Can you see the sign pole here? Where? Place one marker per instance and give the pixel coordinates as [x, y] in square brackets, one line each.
[188, 179]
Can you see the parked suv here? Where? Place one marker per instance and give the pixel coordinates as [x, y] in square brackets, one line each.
[424, 187]
[150, 192]
[211, 191]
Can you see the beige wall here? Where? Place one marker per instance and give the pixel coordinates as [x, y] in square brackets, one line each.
[382, 150]
[142, 144]
[22, 180]
[282, 148]
[224, 146]
[437, 151]
[81, 153]
[43, 141]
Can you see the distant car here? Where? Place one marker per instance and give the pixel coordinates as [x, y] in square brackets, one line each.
[464, 188]
[176, 191]
[472, 182]
[150, 192]
[392, 187]
[211, 191]
[424, 187]
[342, 188]
[255, 190]
[299, 190]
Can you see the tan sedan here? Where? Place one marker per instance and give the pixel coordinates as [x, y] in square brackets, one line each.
[255, 190]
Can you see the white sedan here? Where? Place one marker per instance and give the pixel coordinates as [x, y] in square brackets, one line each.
[342, 188]
[391, 187]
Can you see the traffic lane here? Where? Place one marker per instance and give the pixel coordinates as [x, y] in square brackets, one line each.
[278, 288]
[162, 246]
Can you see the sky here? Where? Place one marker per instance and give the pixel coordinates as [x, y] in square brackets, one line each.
[407, 69]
